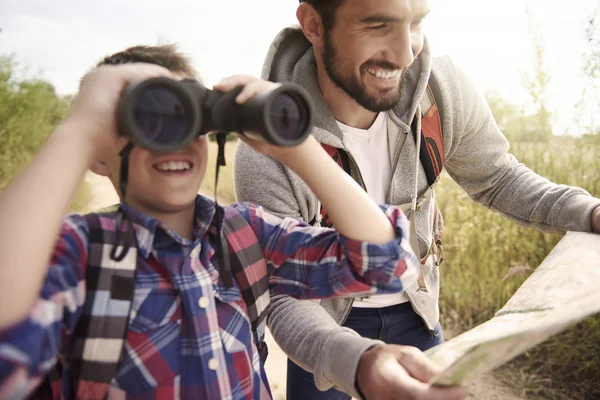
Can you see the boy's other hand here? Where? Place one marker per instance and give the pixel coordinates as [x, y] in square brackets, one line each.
[400, 372]
[94, 110]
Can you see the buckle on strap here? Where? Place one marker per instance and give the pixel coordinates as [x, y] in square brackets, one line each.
[438, 251]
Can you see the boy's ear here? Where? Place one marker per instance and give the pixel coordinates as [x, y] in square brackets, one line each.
[100, 168]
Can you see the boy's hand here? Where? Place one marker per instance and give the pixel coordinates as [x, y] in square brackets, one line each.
[94, 109]
[252, 87]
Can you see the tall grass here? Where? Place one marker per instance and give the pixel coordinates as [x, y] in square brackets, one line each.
[225, 193]
[30, 109]
[488, 257]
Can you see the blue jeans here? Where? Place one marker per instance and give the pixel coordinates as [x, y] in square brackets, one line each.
[397, 324]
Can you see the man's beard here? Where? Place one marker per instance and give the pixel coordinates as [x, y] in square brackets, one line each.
[345, 80]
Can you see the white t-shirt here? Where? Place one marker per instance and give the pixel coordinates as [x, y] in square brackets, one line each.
[371, 151]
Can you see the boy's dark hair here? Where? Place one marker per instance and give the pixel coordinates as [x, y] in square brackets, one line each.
[326, 9]
[167, 56]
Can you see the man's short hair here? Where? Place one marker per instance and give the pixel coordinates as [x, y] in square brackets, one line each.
[167, 56]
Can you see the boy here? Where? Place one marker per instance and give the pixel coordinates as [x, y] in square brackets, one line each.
[188, 336]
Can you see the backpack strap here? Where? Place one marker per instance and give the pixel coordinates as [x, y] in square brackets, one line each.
[100, 335]
[431, 152]
[431, 155]
[250, 272]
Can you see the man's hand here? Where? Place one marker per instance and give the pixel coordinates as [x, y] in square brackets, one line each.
[596, 220]
[400, 372]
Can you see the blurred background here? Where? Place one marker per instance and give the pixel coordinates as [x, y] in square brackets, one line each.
[537, 61]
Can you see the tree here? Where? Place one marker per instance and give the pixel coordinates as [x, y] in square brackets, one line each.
[536, 82]
[29, 110]
[587, 107]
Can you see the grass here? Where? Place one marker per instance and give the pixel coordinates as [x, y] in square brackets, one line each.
[488, 257]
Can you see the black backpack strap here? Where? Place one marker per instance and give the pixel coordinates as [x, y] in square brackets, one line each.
[424, 155]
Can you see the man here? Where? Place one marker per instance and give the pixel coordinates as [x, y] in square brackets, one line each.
[369, 69]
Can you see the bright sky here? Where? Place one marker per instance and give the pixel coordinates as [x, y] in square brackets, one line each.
[487, 38]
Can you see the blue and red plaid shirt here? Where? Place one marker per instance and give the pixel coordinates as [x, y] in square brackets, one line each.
[190, 337]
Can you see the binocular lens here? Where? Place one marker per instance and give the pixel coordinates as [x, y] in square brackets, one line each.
[161, 116]
[287, 116]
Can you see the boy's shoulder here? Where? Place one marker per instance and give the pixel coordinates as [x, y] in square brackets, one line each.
[82, 224]
[247, 210]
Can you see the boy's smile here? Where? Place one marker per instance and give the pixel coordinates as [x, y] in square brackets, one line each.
[174, 165]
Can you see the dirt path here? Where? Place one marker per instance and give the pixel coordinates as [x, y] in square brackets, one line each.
[487, 388]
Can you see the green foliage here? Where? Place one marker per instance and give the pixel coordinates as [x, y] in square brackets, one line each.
[29, 110]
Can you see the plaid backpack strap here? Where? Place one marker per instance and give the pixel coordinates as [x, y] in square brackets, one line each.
[100, 335]
[249, 270]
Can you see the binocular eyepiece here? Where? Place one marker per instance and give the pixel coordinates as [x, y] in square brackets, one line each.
[162, 114]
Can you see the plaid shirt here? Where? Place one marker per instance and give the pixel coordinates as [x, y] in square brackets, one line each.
[189, 337]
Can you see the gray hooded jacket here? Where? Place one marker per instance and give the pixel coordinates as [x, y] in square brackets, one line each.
[475, 157]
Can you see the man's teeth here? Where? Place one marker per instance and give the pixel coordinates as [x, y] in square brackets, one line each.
[384, 74]
[174, 166]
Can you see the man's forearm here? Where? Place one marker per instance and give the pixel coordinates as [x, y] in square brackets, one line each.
[313, 340]
[32, 208]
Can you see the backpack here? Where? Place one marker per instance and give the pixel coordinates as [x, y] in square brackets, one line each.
[431, 155]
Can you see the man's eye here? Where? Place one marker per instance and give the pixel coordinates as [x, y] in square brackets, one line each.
[377, 27]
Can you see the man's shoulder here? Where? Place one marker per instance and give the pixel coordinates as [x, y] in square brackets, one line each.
[443, 70]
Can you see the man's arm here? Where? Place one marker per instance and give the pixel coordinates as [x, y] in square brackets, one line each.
[478, 161]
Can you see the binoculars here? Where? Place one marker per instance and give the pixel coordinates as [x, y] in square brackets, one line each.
[163, 115]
